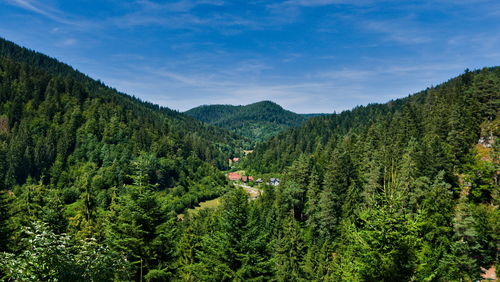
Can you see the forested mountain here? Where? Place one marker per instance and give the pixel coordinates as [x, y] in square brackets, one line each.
[185, 126]
[92, 182]
[449, 114]
[402, 191]
[257, 121]
[313, 115]
[81, 161]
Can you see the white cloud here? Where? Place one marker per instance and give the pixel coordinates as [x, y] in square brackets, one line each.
[44, 10]
[178, 6]
[67, 42]
[312, 3]
[399, 30]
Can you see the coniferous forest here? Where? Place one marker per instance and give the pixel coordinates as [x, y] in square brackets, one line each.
[96, 185]
[257, 121]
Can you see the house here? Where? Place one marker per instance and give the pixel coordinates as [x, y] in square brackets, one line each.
[258, 181]
[487, 142]
[247, 178]
[274, 181]
[235, 160]
[233, 176]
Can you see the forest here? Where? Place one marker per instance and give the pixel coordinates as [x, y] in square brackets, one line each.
[92, 183]
[257, 121]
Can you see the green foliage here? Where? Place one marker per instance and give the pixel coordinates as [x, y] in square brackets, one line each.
[98, 165]
[257, 121]
[443, 120]
[92, 182]
[288, 251]
[221, 253]
[57, 257]
[393, 192]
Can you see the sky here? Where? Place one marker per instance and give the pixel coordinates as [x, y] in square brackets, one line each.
[309, 56]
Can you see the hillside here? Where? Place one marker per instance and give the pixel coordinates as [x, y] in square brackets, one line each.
[80, 158]
[459, 105]
[226, 142]
[402, 191]
[307, 116]
[257, 121]
[92, 183]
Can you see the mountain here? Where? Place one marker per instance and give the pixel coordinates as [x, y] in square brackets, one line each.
[451, 112]
[257, 121]
[79, 158]
[93, 182]
[401, 191]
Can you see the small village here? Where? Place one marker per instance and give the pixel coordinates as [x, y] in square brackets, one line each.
[240, 177]
[253, 187]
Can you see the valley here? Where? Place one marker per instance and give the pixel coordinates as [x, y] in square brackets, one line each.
[97, 185]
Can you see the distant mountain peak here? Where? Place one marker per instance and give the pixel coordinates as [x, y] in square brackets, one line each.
[257, 121]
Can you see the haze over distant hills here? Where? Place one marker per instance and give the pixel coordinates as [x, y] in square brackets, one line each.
[257, 121]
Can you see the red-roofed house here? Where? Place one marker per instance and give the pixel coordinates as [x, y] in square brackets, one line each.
[233, 176]
[247, 178]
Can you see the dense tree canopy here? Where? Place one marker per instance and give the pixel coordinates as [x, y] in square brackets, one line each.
[257, 121]
[93, 182]
[81, 159]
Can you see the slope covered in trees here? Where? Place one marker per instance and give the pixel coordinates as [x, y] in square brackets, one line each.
[394, 192]
[85, 167]
[450, 114]
[257, 121]
[186, 127]
[92, 181]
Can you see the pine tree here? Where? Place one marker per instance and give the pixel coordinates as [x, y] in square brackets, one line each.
[288, 251]
[311, 209]
[5, 229]
[436, 212]
[221, 253]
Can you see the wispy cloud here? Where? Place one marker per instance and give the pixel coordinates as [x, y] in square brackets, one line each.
[179, 6]
[179, 15]
[225, 17]
[68, 42]
[183, 90]
[183, 20]
[399, 30]
[315, 3]
[346, 74]
[308, 55]
[28, 5]
[390, 69]
[46, 11]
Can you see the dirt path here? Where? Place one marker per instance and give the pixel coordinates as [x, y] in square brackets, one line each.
[253, 193]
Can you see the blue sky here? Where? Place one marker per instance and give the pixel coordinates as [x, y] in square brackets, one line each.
[307, 55]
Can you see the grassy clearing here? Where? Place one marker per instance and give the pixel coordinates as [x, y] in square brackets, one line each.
[210, 204]
[205, 205]
[253, 193]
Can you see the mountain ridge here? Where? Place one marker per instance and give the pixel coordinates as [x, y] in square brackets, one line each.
[257, 121]
[92, 182]
[318, 131]
[183, 124]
